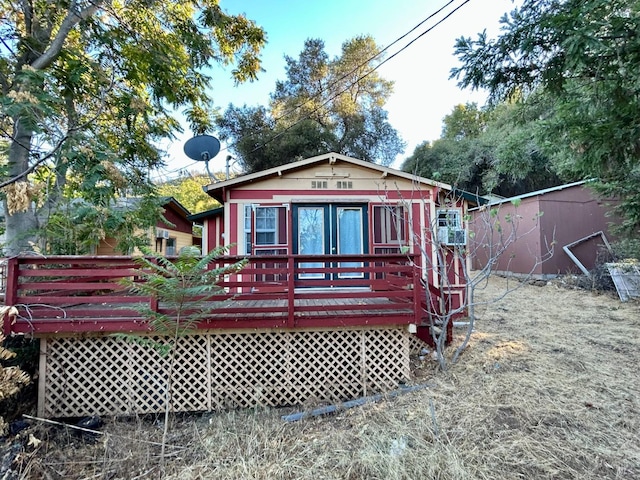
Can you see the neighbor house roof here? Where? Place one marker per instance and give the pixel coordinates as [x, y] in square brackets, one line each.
[214, 212]
[216, 189]
[129, 202]
[498, 201]
[176, 203]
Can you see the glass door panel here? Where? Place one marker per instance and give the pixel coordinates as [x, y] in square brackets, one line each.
[312, 237]
[349, 238]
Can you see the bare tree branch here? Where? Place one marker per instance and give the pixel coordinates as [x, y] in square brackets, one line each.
[72, 18]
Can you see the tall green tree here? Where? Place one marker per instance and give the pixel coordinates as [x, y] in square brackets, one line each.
[323, 105]
[464, 121]
[487, 151]
[458, 157]
[188, 191]
[583, 56]
[88, 90]
[260, 142]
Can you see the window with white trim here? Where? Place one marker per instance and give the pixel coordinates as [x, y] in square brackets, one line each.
[266, 226]
[269, 223]
[449, 218]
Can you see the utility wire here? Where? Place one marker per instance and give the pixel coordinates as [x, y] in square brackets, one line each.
[364, 63]
[337, 94]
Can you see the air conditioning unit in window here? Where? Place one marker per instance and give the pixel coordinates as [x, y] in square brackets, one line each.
[452, 236]
[162, 233]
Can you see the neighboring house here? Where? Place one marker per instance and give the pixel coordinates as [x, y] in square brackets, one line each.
[570, 215]
[338, 283]
[166, 238]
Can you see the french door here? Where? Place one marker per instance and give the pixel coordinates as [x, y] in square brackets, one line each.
[330, 229]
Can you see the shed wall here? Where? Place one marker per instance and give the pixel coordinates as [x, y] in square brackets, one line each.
[491, 232]
[573, 214]
[564, 216]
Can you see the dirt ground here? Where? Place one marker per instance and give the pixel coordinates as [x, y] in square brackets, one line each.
[547, 389]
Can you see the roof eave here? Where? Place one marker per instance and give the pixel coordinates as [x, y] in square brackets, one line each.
[216, 190]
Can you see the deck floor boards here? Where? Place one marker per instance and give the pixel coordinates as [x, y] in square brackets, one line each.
[233, 310]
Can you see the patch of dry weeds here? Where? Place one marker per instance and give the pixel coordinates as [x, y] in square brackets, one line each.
[547, 389]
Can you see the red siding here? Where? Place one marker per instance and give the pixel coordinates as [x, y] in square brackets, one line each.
[260, 194]
[176, 218]
[561, 216]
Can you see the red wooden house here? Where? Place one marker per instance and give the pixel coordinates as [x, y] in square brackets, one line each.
[340, 277]
[168, 236]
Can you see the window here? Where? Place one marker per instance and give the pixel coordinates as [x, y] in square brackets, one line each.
[450, 228]
[266, 233]
[171, 246]
[344, 184]
[270, 226]
[389, 224]
[247, 229]
[449, 218]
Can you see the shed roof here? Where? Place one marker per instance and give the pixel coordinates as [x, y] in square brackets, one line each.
[499, 201]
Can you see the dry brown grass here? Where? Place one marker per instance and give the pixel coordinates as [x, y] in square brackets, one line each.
[548, 388]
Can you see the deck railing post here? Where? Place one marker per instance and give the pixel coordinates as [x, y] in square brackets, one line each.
[11, 290]
[153, 301]
[291, 294]
[418, 290]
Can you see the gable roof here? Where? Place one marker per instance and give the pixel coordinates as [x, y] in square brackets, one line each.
[216, 189]
[172, 201]
[129, 202]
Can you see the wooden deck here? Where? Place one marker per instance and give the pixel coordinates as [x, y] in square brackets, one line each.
[83, 294]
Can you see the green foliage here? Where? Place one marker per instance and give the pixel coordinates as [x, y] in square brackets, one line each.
[581, 60]
[261, 142]
[628, 248]
[186, 287]
[457, 162]
[486, 151]
[89, 90]
[323, 105]
[464, 121]
[188, 191]
[77, 227]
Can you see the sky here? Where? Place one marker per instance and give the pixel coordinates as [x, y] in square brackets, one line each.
[423, 93]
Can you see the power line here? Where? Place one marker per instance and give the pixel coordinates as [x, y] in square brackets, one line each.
[364, 63]
[340, 92]
[355, 69]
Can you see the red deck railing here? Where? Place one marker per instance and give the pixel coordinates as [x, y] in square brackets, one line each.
[73, 294]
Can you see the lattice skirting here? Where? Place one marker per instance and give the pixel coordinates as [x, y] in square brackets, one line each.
[113, 376]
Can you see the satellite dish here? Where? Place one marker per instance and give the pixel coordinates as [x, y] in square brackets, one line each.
[202, 147]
